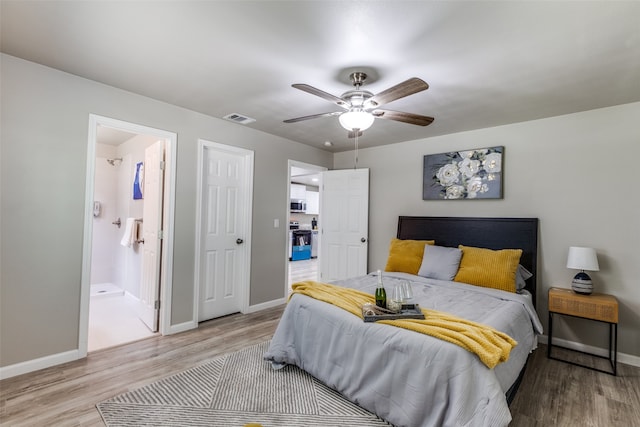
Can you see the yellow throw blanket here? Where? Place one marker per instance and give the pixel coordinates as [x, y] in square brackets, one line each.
[491, 345]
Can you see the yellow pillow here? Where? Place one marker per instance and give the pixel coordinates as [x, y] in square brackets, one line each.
[489, 268]
[406, 255]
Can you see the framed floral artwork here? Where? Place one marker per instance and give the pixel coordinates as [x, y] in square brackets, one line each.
[469, 174]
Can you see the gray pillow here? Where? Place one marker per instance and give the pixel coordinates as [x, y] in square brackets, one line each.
[522, 274]
[439, 262]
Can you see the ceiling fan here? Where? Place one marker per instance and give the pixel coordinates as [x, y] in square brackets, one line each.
[362, 107]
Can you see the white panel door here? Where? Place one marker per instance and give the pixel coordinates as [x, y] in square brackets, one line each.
[149, 306]
[344, 210]
[223, 271]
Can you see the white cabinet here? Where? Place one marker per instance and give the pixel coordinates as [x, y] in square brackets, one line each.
[298, 192]
[313, 203]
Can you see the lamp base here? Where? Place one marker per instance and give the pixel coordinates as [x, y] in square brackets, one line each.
[582, 284]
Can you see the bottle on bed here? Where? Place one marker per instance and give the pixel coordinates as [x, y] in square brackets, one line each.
[381, 294]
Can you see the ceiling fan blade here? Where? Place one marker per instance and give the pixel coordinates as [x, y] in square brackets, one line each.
[413, 119]
[322, 94]
[313, 116]
[406, 88]
[352, 134]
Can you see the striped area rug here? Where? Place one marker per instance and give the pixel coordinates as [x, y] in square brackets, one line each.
[234, 390]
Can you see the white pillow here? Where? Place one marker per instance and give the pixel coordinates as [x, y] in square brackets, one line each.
[439, 262]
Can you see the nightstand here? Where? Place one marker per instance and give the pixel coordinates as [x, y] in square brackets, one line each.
[598, 307]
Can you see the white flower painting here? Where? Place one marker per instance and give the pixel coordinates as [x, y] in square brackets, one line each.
[469, 174]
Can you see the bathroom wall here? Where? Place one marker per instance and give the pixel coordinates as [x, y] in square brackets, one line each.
[105, 236]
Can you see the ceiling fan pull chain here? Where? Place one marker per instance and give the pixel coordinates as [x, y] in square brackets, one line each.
[355, 152]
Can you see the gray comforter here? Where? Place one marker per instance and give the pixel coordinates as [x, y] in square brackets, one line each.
[405, 377]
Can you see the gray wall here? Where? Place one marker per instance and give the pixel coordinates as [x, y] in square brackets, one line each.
[578, 173]
[45, 116]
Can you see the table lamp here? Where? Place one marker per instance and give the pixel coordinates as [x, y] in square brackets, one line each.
[582, 259]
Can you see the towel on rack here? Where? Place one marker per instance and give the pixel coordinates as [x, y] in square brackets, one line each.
[129, 233]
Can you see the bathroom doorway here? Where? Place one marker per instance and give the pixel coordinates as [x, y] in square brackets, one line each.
[121, 281]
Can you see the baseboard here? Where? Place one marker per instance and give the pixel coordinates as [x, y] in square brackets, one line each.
[265, 305]
[67, 356]
[37, 364]
[628, 359]
[128, 295]
[173, 329]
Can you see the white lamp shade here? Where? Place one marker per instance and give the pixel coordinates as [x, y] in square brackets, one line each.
[582, 259]
[356, 120]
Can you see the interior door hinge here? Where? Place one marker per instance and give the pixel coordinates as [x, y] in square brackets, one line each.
[156, 305]
[162, 165]
[160, 235]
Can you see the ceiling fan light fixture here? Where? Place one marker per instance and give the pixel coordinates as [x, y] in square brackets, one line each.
[356, 119]
[362, 106]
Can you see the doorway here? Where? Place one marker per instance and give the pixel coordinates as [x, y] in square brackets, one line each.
[303, 214]
[116, 274]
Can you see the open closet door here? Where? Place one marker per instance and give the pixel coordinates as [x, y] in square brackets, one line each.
[149, 308]
[344, 209]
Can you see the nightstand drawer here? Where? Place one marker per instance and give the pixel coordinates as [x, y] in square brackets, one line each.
[595, 306]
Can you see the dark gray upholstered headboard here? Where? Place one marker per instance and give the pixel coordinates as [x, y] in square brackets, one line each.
[490, 233]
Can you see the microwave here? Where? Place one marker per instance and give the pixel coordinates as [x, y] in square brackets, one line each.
[298, 206]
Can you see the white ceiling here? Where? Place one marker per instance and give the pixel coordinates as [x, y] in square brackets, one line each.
[488, 63]
[111, 136]
[305, 176]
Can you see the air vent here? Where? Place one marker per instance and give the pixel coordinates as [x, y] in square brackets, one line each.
[239, 118]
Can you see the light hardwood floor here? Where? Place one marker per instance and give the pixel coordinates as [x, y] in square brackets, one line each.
[553, 393]
[66, 395]
[306, 269]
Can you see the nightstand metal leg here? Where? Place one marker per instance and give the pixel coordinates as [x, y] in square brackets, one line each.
[614, 336]
[595, 307]
[613, 348]
[550, 335]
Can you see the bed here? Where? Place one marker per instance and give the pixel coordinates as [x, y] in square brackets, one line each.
[412, 379]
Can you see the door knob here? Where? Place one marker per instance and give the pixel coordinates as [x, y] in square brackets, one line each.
[363, 240]
[239, 241]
